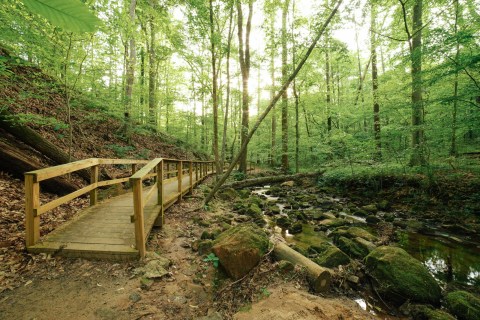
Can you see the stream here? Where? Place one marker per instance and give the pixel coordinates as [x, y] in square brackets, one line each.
[450, 259]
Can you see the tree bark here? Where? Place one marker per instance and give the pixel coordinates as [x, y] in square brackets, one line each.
[272, 103]
[37, 142]
[318, 276]
[152, 77]
[453, 146]
[130, 73]
[273, 179]
[376, 107]
[15, 161]
[285, 164]
[244, 58]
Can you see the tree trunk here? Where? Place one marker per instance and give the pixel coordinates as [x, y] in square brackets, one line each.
[37, 142]
[418, 135]
[327, 80]
[130, 73]
[285, 164]
[152, 78]
[453, 146]
[272, 104]
[244, 58]
[318, 276]
[15, 161]
[376, 107]
[214, 91]
[272, 179]
[273, 153]
[227, 102]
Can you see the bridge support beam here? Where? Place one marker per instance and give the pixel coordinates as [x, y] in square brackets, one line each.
[32, 202]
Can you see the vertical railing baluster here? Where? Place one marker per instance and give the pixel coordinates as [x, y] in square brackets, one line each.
[138, 216]
[179, 175]
[93, 180]
[32, 202]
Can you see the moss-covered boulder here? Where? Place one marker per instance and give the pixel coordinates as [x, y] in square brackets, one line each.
[371, 219]
[244, 193]
[424, 312]
[283, 221]
[240, 248]
[352, 232]
[356, 248]
[329, 256]
[400, 277]
[333, 223]
[464, 305]
[296, 228]
[228, 194]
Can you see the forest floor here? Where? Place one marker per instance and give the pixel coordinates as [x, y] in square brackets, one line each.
[51, 287]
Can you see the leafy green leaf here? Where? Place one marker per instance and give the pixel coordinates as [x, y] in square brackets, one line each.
[71, 15]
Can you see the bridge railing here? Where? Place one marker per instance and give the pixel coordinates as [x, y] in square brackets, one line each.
[34, 209]
[161, 168]
[151, 169]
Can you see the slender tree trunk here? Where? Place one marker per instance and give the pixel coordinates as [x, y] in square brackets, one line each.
[273, 153]
[142, 84]
[376, 107]
[285, 164]
[152, 75]
[453, 146]
[327, 80]
[418, 135]
[214, 91]
[296, 95]
[130, 73]
[227, 102]
[244, 58]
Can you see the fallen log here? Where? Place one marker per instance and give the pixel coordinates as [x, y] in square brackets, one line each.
[16, 162]
[319, 277]
[36, 141]
[270, 179]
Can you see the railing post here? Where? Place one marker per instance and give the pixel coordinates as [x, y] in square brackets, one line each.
[138, 216]
[134, 168]
[93, 180]
[190, 172]
[196, 172]
[32, 201]
[179, 178]
[160, 221]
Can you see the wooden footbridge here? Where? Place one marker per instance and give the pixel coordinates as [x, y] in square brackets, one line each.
[118, 227]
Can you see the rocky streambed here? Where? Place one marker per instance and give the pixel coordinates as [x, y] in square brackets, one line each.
[386, 259]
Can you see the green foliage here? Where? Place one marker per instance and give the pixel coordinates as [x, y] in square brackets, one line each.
[238, 175]
[71, 15]
[264, 292]
[40, 121]
[120, 151]
[212, 258]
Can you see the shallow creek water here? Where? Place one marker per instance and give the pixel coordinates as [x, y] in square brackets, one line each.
[448, 258]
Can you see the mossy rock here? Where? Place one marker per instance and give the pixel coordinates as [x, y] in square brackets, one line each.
[205, 247]
[256, 200]
[254, 210]
[370, 208]
[383, 205]
[330, 256]
[286, 266]
[228, 194]
[360, 212]
[240, 248]
[464, 305]
[333, 223]
[273, 209]
[352, 248]
[283, 221]
[296, 228]
[244, 193]
[352, 232]
[371, 219]
[207, 235]
[424, 312]
[400, 277]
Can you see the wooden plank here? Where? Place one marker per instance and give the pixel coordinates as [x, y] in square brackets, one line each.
[93, 180]
[121, 161]
[170, 180]
[138, 214]
[62, 169]
[32, 200]
[55, 203]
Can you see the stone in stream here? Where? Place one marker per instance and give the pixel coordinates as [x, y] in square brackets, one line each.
[371, 219]
[329, 256]
[240, 249]
[283, 221]
[356, 247]
[464, 305]
[400, 277]
[424, 312]
[352, 232]
[296, 228]
[370, 208]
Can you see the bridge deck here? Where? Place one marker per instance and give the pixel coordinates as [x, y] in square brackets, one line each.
[105, 230]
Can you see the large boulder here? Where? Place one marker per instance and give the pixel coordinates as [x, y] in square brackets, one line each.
[464, 305]
[400, 277]
[240, 248]
[424, 312]
[352, 232]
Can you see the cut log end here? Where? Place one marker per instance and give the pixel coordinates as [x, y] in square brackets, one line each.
[321, 283]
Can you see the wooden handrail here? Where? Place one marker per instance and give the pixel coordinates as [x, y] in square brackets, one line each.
[33, 209]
